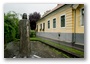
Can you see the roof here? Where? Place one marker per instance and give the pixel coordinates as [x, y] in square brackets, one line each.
[50, 11]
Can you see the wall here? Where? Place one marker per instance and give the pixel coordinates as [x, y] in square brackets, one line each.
[67, 37]
[66, 33]
[67, 10]
[79, 30]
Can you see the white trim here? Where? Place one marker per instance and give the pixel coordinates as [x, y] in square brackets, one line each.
[65, 20]
[81, 17]
[40, 25]
[43, 26]
[52, 23]
[47, 24]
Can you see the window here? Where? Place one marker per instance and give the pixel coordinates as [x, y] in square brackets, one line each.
[37, 27]
[43, 26]
[63, 21]
[54, 23]
[48, 24]
[40, 27]
[82, 17]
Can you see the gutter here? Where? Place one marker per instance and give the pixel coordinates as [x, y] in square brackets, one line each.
[74, 7]
[74, 34]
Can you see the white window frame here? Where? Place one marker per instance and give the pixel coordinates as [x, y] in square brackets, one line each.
[81, 17]
[65, 20]
[49, 26]
[52, 22]
[41, 26]
[37, 27]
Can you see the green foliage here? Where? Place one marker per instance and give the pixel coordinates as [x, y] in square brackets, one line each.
[10, 27]
[32, 33]
[34, 17]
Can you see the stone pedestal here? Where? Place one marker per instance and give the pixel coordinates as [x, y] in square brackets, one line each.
[24, 27]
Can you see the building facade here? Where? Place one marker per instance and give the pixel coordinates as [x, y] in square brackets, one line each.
[63, 23]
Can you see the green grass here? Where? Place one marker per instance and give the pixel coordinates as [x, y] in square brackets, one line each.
[60, 53]
[66, 48]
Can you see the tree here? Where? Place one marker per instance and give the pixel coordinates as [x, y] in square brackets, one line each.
[34, 17]
[10, 26]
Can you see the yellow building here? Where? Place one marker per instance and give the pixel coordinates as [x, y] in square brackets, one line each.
[63, 23]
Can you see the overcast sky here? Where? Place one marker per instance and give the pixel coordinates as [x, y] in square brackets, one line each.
[28, 8]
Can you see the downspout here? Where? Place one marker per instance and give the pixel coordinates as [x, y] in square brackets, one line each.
[74, 7]
[74, 34]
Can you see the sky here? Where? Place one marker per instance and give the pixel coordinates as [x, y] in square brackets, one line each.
[28, 8]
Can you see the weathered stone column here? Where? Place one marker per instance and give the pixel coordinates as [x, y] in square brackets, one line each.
[24, 28]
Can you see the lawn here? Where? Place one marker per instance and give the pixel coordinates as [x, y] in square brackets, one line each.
[59, 46]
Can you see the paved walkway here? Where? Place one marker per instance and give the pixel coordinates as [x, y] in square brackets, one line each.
[79, 47]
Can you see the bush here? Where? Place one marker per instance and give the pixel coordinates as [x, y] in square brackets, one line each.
[32, 33]
[11, 22]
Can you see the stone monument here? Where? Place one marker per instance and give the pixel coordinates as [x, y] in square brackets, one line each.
[24, 28]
